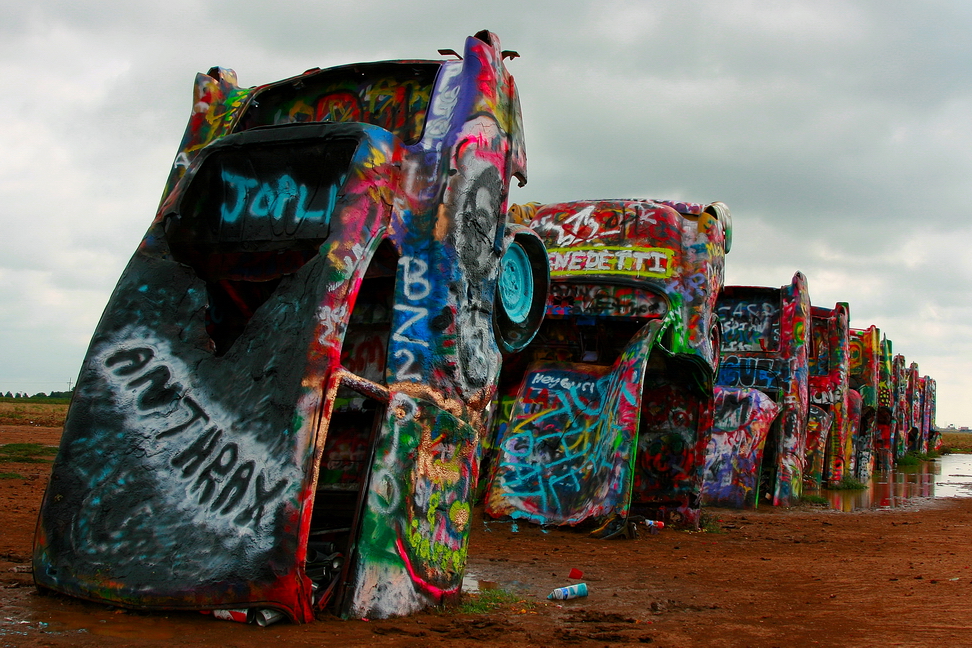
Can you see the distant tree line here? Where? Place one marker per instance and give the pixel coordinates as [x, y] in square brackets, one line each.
[39, 395]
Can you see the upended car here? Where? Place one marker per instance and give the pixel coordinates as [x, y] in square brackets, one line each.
[604, 417]
[756, 456]
[281, 405]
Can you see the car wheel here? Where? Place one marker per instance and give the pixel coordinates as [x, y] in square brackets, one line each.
[521, 291]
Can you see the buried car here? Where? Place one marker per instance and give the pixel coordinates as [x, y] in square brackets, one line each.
[281, 405]
[829, 456]
[610, 406]
[764, 348]
[887, 402]
[864, 378]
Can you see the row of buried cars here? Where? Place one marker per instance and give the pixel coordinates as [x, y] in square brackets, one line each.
[337, 334]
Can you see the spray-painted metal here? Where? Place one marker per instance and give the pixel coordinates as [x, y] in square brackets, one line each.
[765, 347]
[865, 355]
[611, 405]
[830, 389]
[282, 403]
[887, 401]
[734, 457]
[913, 396]
[901, 416]
[929, 406]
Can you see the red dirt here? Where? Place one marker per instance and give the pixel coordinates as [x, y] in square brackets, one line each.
[797, 577]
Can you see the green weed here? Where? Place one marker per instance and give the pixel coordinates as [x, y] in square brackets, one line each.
[915, 458]
[709, 524]
[816, 500]
[26, 453]
[6, 475]
[486, 601]
[908, 460]
[849, 483]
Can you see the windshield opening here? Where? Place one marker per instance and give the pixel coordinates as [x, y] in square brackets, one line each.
[393, 96]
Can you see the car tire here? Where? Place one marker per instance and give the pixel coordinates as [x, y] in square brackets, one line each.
[521, 291]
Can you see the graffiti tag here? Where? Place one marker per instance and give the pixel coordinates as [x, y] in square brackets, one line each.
[640, 261]
[220, 473]
[261, 200]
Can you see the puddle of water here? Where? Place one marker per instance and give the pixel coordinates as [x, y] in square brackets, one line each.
[471, 584]
[948, 476]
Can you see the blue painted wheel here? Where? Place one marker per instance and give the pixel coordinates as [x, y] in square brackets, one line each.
[521, 291]
[516, 284]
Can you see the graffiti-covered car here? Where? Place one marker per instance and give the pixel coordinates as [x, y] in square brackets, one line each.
[829, 456]
[899, 371]
[931, 434]
[742, 420]
[865, 355]
[764, 347]
[281, 405]
[913, 395]
[887, 403]
[610, 406]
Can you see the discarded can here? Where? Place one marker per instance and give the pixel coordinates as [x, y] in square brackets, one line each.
[654, 524]
[564, 593]
[240, 616]
[267, 616]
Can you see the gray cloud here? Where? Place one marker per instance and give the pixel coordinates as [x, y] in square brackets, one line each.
[837, 132]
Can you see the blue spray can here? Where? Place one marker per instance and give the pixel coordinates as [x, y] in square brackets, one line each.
[564, 593]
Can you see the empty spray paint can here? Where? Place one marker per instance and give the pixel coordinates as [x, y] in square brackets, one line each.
[240, 616]
[654, 524]
[564, 593]
[266, 616]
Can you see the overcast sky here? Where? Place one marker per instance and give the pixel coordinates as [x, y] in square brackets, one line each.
[839, 134]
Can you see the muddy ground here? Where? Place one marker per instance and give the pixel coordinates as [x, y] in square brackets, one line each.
[796, 577]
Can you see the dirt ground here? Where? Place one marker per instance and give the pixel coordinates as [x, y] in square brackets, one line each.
[795, 577]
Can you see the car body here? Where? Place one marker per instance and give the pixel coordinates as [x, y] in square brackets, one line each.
[887, 403]
[929, 405]
[741, 424]
[830, 390]
[913, 395]
[612, 401]
[281, 405]
[902, 416]
[765, 347]
[865, 354]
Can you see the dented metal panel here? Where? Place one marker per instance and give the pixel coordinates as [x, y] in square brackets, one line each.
[568, 453]
[734, 456]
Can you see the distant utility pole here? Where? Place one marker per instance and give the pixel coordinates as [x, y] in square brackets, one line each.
[69, 383]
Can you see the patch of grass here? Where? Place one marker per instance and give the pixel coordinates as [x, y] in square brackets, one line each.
[815, 500]
[6, 475]
[21, 411]
[915, 458]
[486, 601]
[26, 453]
[957, 442]
[709, 524]
[907, 460]
[849, 483]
